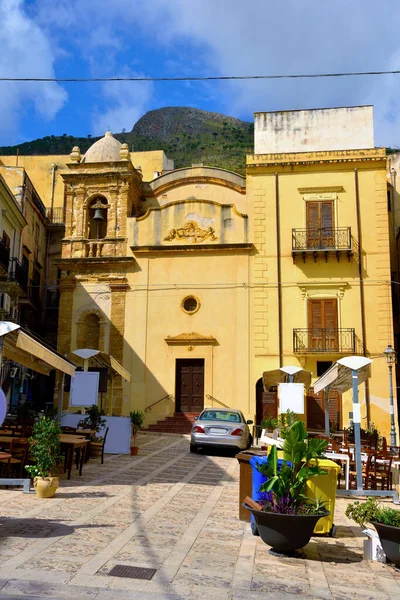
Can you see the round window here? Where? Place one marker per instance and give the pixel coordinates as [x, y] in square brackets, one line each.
[190, 305]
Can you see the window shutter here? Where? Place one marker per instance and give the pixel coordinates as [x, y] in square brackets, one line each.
[330, 314]
[327, 215]
[315, 314]
[313, 215]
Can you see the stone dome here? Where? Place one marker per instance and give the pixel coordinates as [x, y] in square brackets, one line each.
[105, 150]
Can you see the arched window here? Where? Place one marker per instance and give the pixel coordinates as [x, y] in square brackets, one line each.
[97, 218]
[88, 334]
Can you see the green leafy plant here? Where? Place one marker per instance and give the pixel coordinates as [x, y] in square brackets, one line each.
[287, 485]
[370, 510]
[26, 412]
[45, 447]
[137, 419]
[283, 422]
[97, 439]
[94, 419]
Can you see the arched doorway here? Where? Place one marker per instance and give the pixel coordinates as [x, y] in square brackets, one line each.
[266, 402]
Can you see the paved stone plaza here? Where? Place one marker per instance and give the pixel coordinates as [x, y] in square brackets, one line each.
[178, 513]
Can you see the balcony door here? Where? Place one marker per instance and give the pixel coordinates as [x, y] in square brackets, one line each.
[320, 224]
[323, 325]
[316, 410]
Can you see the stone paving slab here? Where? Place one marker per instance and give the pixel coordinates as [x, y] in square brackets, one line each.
[176, 512]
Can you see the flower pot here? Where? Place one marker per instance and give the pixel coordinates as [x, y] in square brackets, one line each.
[134, 450]
[45, 487]
[390, 540]
[285, 533]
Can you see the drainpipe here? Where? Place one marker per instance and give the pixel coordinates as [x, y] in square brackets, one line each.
[278, 269]
[362, 296]
[53, 178]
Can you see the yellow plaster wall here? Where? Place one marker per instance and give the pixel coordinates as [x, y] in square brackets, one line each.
[321, 279]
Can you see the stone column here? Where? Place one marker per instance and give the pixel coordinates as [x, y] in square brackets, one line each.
[67, 288]
[117, 331]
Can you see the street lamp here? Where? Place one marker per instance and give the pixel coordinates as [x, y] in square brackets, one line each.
[390, 356]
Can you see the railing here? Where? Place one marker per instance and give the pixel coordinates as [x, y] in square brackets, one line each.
[325, 238]
[167, 397]
[342, 341]
[55, 216]
[4, 255]
[209, 397]
[18, 273]
[94, 249]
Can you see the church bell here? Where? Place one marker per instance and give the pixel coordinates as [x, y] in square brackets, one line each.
[98, 215]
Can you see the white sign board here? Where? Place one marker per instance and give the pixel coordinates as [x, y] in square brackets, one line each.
[3, 406]
[84, 388]
[291, 397]
[119, 432]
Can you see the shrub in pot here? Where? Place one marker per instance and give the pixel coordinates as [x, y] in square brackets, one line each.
[386, 521]
[94, 419]
[286, 518]
[137, 419]
[45, 449]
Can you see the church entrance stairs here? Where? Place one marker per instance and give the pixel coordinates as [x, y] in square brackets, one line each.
[179, 423]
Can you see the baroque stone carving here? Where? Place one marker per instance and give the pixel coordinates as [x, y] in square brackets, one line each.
[191, 233]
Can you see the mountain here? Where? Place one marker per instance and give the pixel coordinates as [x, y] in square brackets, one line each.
[187, 135]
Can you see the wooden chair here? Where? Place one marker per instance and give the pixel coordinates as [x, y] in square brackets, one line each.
[19, 449]
[382, 470]
[104, 443]
[367, 473]
[70, 430]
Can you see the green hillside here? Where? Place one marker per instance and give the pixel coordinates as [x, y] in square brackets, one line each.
[187, 135]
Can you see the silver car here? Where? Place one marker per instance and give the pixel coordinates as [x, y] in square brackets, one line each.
[224, 427]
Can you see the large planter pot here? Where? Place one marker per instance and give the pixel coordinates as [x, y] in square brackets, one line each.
[284, 533]
[390, 540]
[45, 487]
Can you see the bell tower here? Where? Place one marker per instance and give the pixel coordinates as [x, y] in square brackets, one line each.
[102, 189]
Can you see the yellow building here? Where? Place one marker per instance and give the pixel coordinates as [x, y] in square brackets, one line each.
[198, 280]
[318, 190]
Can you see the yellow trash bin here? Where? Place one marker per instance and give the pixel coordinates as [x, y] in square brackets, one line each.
[323, 488]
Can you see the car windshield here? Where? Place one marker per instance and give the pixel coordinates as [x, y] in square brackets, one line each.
[216, 415]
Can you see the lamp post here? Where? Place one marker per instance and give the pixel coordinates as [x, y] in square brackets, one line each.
[390, 356]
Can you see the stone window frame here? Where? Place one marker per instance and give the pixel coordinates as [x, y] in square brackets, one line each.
[191, 312]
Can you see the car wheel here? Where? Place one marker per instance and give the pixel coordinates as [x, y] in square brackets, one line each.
[193, 449]
[250, 442]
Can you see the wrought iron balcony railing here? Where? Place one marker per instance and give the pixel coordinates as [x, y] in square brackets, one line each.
[4, 255]
[18, 273]
[324, 341]
[322, 239]
[55, 216]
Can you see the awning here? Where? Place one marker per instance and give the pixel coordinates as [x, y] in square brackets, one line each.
[101, 360]
[339, 376]
[276, 376]
[21, 347]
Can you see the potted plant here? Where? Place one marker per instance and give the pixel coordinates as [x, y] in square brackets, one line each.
[45, 448]
[282, 422]
[286, 518]
[94, 421]
[137, 420]
[386, 521]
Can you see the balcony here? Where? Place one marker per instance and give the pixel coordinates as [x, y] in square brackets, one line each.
[323, 241]
[55, 216]
[325, 341]
[18, 274]
[4, 257]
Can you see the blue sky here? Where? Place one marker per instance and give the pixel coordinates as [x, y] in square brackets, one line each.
[92, 38]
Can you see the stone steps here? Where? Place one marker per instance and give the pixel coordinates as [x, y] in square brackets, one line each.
[179, 423]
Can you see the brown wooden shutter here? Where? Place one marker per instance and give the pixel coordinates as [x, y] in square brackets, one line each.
[326, 215]
[313, 220]
[330, 314]
[315, 314]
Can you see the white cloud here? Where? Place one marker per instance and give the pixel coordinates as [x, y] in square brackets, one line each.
[233, 37]
[25, 51]
[125, 103]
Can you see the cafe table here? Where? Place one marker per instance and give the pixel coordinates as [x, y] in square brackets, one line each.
[70, 443]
